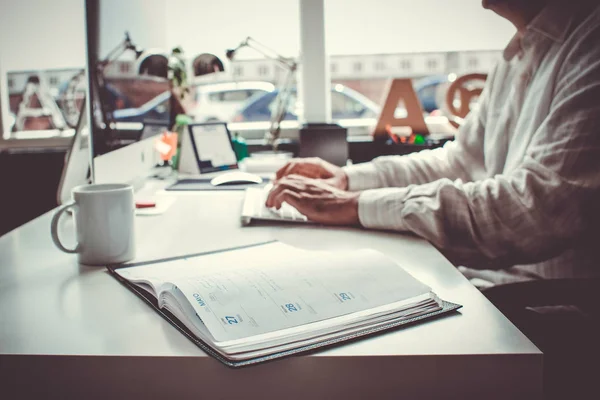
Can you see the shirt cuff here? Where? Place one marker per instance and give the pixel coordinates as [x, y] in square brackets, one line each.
[382, 209]
[361, 176]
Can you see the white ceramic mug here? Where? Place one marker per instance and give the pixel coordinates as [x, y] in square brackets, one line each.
[104, 219]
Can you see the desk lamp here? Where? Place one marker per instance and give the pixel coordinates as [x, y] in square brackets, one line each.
[283, 97]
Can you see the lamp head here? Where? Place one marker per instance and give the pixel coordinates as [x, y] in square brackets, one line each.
[153, 62]
[207, 63]
[230, 53]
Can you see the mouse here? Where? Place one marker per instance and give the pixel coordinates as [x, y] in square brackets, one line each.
[235, 178]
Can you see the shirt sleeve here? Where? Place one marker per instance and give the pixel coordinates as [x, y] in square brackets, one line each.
[461, 158]
[526, 216]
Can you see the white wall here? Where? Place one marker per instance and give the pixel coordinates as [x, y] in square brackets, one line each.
[39, 34]
[48, 34]
[352, 26]
[202, 26]
[42, 34]
[400, 26]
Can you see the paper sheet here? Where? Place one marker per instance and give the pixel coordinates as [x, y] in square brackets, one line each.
[271, 287]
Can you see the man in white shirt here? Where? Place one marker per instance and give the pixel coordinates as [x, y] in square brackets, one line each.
[515, 196]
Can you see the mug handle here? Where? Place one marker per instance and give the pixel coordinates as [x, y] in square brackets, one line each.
[54, 228]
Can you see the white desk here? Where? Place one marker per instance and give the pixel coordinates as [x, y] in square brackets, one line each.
[76, 331]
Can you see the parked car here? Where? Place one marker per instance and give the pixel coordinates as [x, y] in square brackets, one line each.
[348, 108]
[214, 102]
[218, 102]
[345, 104]
[427, 90]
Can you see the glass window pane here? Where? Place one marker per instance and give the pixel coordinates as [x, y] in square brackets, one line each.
[235, 95]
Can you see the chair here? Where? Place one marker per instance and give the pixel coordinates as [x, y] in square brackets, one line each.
[562, 317]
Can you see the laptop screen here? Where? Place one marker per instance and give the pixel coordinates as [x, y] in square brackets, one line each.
[213, 147]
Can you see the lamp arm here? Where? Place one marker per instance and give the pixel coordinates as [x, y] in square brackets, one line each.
[281, 102]
[267, 52]
[283, 97]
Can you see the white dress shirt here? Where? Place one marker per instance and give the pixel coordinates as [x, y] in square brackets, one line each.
[519, 188]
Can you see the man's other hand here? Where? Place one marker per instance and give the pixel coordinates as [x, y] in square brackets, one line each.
[316, 199]
[315, 168]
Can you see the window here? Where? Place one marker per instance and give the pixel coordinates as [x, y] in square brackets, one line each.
[124, 67]
[432, 64]
[358, 57]
[235, 95]
[53, 81]
[263, 70]
[379, 65]
[215, 97]
[252, 92]
[238, 71]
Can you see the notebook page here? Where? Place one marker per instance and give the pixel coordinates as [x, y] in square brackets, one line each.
[261, 289]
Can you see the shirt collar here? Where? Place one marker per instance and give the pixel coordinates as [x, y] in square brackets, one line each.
[554, 22]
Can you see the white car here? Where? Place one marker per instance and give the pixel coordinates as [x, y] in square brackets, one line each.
[220, 101]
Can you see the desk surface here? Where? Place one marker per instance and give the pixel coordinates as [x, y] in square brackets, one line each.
[76, 327]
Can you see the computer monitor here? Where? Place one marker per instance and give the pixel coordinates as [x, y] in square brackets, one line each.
[76, 170]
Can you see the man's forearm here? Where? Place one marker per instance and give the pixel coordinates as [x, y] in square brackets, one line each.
[477, 223]
[413, 169]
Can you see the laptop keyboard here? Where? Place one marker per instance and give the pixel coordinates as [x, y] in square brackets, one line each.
[254, 207]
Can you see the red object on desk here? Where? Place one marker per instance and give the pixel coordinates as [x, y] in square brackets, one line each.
[145, 204]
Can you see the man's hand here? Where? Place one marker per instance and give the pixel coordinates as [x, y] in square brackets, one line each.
[315, 168]
[316, 199]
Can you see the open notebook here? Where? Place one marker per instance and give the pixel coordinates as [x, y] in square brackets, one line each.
[254, 208]
[267, 301]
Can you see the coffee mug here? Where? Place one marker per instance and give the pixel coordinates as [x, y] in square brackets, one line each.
[104, 224]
